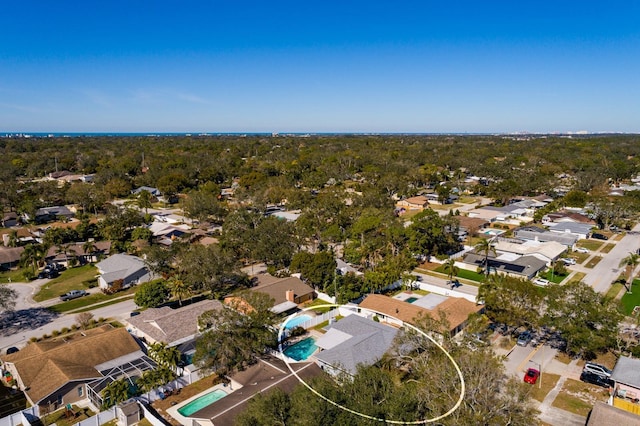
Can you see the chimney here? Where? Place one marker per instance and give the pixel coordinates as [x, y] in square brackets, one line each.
[289, 295]
[5, 239]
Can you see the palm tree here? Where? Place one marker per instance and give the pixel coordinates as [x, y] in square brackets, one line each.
[485, 246]
[630, 262]
[450, 268]
[179, 288]
[88, 248]
[116, 392]
[147, 381]
[32, 255]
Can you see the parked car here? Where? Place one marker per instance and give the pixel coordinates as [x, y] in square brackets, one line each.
[601, 370]
[531, 376]
[541, 282]
[48, 273]
[73, 294]
[524, 338]
[568, 261]
[596, 379]
[597, 236]
[12, 350]
[581, 250]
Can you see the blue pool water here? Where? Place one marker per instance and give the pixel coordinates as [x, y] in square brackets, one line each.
[411, 299]
[294, 322]
[302, 350]
[201, 402]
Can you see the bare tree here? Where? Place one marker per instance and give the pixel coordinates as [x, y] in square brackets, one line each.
[84, 319]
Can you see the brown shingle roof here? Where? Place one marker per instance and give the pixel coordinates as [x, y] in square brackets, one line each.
[45, 367]
[10, 254]
[277, 287]
[171, 325]
[457, 310]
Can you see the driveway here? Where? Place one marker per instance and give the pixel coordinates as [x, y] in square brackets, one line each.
[608, 269]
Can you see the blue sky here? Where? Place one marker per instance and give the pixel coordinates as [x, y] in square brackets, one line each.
[320, 66]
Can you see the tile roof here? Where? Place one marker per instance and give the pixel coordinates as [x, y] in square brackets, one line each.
[172, 325]
[46, 366]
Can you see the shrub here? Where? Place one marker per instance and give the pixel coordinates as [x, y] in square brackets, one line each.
[101, 319]
[33, 339]
[55, 333]
[45, 336]
[75, 327]
[65, 330]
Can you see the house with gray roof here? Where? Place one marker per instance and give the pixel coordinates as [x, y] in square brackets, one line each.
[353, 341]
[537, 234]
[171, 326]
[626, 374]
[580, 230]
[130, 269]
[153, 191]
[508, 263]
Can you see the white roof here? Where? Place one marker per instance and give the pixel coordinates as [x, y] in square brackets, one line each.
[549, 249]
[332, 338]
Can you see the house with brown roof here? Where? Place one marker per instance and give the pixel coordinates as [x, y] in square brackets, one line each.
[75, 368]
[419, 202]
[10, 257]
[455, 310]
[175, 327]
[287, 293]
[55, 254]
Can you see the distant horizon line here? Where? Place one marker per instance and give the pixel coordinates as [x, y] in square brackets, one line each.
[20, 134]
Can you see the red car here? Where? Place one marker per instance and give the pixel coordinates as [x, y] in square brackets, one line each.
[531, 376]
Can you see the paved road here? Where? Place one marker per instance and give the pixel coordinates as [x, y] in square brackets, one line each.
[32, 319]
[608, 269]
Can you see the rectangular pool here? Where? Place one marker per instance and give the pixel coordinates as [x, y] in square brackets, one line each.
[411, 299]
[296, 321]
[201, 402]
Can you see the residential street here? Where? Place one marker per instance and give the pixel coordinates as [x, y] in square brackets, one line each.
[608, 269]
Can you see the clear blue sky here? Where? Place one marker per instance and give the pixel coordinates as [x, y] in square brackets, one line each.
[320, 66]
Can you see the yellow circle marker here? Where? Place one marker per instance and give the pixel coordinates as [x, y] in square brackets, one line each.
[357, 413]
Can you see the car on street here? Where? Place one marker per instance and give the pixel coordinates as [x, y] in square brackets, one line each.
[599, 369]
[531, 376]
[596, 379]
[524, 338]
[581, 250]
[73, 294]
[597, 236]
[12, 350]
[541, 282]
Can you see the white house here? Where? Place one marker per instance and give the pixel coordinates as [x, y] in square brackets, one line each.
[130, 269]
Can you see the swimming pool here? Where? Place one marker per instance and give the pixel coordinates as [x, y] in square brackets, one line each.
[411, 299]
[302, 350]
[294, 322]
[201, 402]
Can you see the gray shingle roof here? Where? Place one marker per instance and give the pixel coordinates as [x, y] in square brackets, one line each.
[172, 326]
[566, 239]
[120, 262]
[627, 371]
[356, 341]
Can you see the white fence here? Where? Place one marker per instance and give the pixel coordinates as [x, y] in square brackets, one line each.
[100, 418]
[24, 417]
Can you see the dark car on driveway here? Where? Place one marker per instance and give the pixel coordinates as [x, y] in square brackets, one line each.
[597, 236]
[596, 379]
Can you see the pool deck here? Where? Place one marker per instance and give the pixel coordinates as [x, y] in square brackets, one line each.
[267, 373]
[406, 295]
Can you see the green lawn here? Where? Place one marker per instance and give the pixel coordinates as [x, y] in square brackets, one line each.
[591, 245]
[319, 302]
[607, 248]
[464, 274]
[554, 278]
[614, 290]
[97, 298]
[631, 300]
[593, 262]
[71, 279]
[12, 276]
